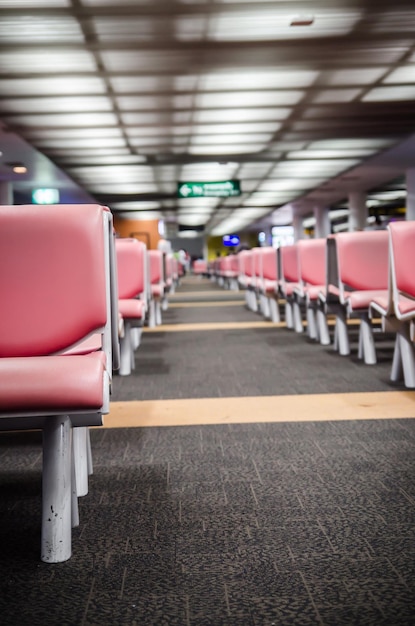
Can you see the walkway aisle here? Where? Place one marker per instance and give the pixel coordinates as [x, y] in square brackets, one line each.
[272, 504]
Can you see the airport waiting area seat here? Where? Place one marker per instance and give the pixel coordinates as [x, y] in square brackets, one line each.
[357, 273]
[288, 281]
[267, 284]
[312, 278]
[156, 288]
[132, 297]
[396, 306]
[58, 346]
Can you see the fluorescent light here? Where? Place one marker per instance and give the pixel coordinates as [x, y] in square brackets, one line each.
[256, 79]
[249, 99]
[387, 94]
[405, 74]
[227, 149]
[221, 116]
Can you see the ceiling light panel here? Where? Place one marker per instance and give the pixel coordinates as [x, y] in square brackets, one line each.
[81, 144]
[98, 158]
[314, 168]
[248, 99]
[69, 85]
[274, 23]
[28, 4]
[335, 95]
[255, 170]
[222, 116]
[198, 203]
[39, 29]
[137, 29]
[387, 94]
[150, 103]
[129, 173]
[287, 184]
[349, 144]
[135, 206]
[43, 62]
[243, 148]
[123, 188]
[74, 120]
[205, 172]
[152, 61]
[140, 118]
[254, 80]
[353, 76]
[140, 84]
[231, 139]
[73, 133]
[56, 105]
[405, 74]
[331, 154]
[230, 129]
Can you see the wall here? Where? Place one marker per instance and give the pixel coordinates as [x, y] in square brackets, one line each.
[143, 230]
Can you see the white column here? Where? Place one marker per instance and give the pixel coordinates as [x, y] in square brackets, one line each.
[357, 210]
[6, 193]
[298, 227]
[322, 228]
[410, 194]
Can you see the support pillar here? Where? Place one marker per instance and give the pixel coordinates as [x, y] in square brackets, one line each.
[6, 193]
[322, 228]
[410, 194]
[298, 227]
[357, 211]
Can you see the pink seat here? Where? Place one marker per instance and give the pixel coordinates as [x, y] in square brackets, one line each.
[312, 281]
[56, 355]
[157, 286]
[288, 281]
[357, 274]
[268, 283]
[397, 307]
[132, 297]
[200, 267]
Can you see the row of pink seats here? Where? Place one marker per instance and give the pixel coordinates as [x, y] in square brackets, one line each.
[145, 277]
[58, 346]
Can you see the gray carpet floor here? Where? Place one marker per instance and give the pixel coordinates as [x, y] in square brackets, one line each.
[278, 524]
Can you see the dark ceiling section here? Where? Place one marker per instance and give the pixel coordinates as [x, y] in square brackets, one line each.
[297, 100]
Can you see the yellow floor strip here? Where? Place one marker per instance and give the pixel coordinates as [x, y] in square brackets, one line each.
[220, 295]
[309, 408]
[183, 305]
[168, 328]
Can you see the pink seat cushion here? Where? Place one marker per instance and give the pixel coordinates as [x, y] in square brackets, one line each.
[52, 383]
[91, 344]
[313, 291]
[358, 300]
[269, 286]
[156, 291]
[406, 305]
[131, 308]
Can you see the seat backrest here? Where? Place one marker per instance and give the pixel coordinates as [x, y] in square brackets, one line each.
[269, 263]
[248, 263]
[402, 255]
[53, 277]
[363, 259]
[312, 261]
[289, 263]
[155, 258]
[131, 266]
[257, 262]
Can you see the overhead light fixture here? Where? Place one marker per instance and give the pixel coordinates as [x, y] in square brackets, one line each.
[302, 20]
[18, 168]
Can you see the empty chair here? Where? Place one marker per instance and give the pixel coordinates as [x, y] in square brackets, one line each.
[246, 278]
[357, 273]
[268, 284]
[132, 297]
[397, 304]
[288, 281]
[157, 286]
[58, 290]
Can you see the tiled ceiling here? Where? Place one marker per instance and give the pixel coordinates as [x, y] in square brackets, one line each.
[129, 98]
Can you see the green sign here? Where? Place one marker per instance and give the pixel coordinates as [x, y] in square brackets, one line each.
[221, 189]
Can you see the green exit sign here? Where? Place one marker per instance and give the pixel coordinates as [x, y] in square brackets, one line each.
[220, 189]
